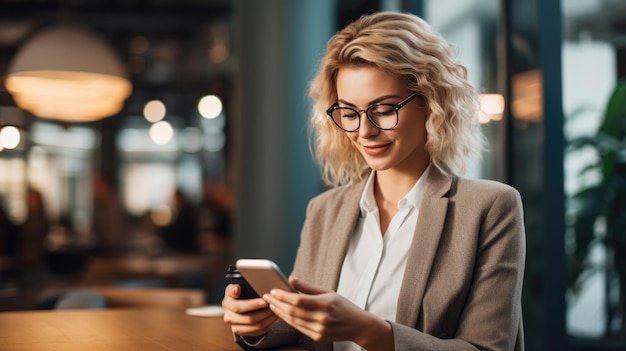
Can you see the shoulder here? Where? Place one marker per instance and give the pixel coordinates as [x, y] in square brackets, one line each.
[486, 199]
[484, 189]
[457, 188]
[339, 195]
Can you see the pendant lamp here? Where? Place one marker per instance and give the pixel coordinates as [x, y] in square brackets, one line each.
[68, 73]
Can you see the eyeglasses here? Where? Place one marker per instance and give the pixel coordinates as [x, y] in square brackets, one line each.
[382, 116]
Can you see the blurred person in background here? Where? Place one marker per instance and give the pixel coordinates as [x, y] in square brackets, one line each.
[9, 234]
[34, 231]
[108, 226]
[403, 253]
[180, 235]
[213, 218]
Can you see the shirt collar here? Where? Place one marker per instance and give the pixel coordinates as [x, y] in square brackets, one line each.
[368, 203]
[412, 198]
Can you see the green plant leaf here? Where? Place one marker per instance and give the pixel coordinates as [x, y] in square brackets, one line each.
[615, 113]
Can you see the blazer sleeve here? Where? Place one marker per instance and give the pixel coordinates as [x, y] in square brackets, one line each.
[491, 316]
[281, 334]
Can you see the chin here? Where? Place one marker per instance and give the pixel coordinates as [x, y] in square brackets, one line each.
[378, 166]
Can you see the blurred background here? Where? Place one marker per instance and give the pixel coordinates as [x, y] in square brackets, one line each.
[151, 143]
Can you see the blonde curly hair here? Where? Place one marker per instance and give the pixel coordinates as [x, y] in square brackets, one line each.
[403, 45]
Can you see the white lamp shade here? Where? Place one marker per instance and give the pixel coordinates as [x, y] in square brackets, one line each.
[68, 73]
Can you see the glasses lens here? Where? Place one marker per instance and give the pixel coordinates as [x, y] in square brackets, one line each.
[383, 116]
[346, 118]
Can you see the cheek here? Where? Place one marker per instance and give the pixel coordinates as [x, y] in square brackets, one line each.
[353, 137]
[416, 134]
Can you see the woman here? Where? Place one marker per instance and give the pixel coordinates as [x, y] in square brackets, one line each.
[403, 253]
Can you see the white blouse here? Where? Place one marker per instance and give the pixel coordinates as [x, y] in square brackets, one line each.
[372, 271]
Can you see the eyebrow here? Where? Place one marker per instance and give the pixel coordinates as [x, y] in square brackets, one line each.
[375, 101]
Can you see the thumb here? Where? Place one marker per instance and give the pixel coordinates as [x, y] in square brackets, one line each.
[306, 288]
[234, 290]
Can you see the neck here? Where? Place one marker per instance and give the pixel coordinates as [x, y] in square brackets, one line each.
[391, 185]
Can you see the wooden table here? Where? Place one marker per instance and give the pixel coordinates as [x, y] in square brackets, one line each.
[113, 329]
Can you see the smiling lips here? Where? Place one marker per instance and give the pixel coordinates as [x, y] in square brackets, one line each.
[375, 150]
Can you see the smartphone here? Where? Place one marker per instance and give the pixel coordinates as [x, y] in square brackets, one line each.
[263, 275]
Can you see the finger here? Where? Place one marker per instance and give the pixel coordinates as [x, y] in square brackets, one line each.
[233, 290]
[243, 306]
[306, 288]
[293, 306]
[307, 327]
[250, 318]
[255, 322]
[301, 300]
[259, 328]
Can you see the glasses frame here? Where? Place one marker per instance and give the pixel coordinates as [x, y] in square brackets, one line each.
[396, 107]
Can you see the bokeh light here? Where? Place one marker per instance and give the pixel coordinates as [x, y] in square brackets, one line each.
[9, 137]
[161, 132]
[154, 111]
[210, 106]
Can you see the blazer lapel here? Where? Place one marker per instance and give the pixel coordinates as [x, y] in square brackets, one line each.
[342, 231]
[430, 222]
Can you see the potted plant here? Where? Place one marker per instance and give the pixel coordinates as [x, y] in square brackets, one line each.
[599, 214]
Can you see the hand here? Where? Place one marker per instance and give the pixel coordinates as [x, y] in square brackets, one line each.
[324, 315]
[246, 317]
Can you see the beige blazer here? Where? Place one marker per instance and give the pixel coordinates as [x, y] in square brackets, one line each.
[462, 285]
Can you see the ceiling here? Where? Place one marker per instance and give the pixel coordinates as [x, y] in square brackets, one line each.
[165, 44]
[177, 67]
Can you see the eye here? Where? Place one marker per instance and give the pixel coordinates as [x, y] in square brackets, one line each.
[348, 113]
[382, 110]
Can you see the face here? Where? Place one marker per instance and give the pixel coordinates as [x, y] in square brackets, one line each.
[401, 149]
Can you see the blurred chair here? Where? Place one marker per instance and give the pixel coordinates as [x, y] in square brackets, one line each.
[151, 297]
[143, 283]
[80, 299]
[121, 297]
[10, 295]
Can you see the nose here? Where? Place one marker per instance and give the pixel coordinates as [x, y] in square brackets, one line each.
[366, 128]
